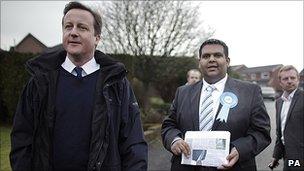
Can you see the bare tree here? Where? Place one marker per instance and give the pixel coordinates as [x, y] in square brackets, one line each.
[164, 28]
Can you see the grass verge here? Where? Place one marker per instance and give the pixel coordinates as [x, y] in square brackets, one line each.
[5, 147]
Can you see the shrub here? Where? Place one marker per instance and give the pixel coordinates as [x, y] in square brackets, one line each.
[13, 77]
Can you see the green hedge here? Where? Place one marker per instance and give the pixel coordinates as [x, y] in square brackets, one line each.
[13, 77]
[165, 74]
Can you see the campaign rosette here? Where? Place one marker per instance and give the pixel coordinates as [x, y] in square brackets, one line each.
[228, 100]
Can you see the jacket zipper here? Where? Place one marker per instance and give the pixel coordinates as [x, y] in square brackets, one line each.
[94, 164]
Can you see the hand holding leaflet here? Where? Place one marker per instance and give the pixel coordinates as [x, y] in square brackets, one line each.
[207, 148]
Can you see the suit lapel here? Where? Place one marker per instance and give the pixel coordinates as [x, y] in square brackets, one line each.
[194, 101]
[228, 88]
[279, 110]
[293, 102]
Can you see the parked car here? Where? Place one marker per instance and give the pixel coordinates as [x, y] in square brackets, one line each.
[268, 93]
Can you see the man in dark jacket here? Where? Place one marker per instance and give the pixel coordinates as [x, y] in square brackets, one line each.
[289, 143]
[78, 111]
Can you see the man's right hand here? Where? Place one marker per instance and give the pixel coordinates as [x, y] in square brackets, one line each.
[273, 164]
[180, 146]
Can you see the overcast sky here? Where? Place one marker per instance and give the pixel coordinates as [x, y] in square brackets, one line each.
[257, 33]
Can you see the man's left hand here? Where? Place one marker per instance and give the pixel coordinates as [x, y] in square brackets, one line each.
[232, 158]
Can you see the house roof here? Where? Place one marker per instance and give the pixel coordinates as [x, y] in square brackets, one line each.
[31, 37]
[267, 68]
[237, 67]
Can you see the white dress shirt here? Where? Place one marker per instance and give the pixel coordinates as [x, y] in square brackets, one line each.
[216, 94]
[285, 108]
[88, 68]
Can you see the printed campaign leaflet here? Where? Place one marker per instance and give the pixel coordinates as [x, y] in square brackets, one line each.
[208, 148]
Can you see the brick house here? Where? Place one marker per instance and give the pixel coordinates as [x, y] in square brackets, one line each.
[238, 68]
[29, 44]
[262, 75]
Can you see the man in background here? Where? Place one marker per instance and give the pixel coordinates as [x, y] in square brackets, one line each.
[289, 143]
[193, 76]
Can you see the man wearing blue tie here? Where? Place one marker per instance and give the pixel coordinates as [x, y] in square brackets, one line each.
[78, 111]
[218, 102]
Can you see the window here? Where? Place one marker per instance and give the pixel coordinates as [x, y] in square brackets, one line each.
[265, 75]
[253, 76]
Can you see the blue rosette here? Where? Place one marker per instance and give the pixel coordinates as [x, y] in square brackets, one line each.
[228, 100]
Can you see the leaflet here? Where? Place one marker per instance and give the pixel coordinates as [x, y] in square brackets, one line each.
[208, 148]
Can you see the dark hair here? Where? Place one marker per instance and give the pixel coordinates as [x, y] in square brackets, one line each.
[77, 5]
[214, 42]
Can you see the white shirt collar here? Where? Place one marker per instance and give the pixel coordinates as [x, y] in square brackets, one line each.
[219, 86]
[88, 68]
[289, 97]
[68, 65]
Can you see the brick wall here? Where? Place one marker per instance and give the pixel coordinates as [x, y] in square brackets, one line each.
[29, 46]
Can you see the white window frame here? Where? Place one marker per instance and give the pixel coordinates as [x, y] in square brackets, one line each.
[265, 75]
[253, 76]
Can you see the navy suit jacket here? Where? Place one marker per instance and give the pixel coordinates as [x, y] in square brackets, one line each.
[294, 129]
[248, 122]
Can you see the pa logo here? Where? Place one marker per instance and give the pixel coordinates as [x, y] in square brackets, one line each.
[294, 163]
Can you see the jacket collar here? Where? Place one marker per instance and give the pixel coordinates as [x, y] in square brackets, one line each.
[292, 105]
[52, 58]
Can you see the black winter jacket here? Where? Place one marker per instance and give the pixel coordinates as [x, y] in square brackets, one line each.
[117, 141]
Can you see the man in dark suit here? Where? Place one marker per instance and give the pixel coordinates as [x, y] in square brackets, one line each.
[248, 121]
[290, 122]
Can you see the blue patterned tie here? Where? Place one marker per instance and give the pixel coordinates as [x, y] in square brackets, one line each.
[206, 115]
[78, 70]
